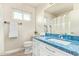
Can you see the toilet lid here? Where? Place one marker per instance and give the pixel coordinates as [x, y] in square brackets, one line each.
[28, 42]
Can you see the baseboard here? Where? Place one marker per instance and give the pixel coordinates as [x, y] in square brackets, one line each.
[13, 51]
[1, 53]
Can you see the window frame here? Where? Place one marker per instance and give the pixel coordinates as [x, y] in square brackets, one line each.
[22, 12]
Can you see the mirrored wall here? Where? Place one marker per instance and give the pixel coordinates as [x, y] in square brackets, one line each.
[57, 19]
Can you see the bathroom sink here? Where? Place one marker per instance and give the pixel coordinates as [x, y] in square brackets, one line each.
[60, 41]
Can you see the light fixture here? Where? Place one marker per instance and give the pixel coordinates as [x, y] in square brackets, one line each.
[51, 3]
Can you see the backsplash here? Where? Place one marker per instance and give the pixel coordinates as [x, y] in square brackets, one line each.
[75, 38]
[65, 36]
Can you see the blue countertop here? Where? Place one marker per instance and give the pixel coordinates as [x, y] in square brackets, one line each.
[72, 48]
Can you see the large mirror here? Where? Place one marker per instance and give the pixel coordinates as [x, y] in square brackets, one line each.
[57, 18]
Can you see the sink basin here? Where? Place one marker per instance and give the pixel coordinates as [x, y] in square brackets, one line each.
[60, 41]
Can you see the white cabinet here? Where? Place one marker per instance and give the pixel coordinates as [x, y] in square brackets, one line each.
[43, 49]
[56, 52]
[47, 50]
[35, 43]
[35, 47]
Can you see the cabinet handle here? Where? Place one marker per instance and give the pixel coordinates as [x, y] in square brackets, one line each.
[50, 50]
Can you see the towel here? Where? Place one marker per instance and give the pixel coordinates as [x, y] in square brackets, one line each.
[13, 29]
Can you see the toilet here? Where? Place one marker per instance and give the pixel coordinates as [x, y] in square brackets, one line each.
[28, 47]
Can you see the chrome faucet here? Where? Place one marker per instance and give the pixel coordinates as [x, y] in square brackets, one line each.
[61, 37]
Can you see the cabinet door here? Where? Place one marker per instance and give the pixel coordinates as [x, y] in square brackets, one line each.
[39, 48]
[44, 51]
[56, 52]
[42, 48]
[35, 47]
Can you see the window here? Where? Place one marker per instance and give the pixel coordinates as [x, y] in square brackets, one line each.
[21, 15]
[17, 15]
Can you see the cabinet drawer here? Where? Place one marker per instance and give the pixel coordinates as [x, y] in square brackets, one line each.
[43, 49]
[35, 47]
[57, 52]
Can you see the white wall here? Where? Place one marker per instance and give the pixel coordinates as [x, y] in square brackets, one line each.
[1, 31]
[26, 30]
[1, 38]
[74, 18]
[39, 20]
[75, 6]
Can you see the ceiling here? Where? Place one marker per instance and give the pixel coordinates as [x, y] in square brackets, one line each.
[35, 4]
[59, 8]
[56, 8]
